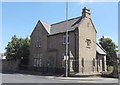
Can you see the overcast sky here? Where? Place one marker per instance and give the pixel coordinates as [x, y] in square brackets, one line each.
[20, 18]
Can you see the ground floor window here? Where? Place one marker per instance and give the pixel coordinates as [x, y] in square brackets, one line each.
[98, 62]
[93, 62]
[37, 61]
[82, 62]
[63, 63]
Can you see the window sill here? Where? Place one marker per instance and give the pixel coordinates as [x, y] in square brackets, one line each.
[65, 43]
[88, 47]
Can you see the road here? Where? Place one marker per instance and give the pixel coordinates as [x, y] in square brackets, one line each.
[27, 78]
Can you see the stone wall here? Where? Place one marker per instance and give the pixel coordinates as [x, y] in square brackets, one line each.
[9, 66]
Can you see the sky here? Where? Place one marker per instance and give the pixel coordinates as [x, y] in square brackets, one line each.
[20, 18]
[119, 27]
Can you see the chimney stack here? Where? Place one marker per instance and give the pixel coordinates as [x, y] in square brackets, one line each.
[85, 12]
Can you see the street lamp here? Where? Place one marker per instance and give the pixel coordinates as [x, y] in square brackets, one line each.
[67, 57]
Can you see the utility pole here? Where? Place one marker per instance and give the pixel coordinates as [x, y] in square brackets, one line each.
[66, 74]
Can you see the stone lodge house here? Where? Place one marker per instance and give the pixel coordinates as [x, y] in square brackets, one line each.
[47, 48]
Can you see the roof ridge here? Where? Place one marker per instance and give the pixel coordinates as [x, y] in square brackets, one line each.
[66, 20]
[46, 26]
[44, 22]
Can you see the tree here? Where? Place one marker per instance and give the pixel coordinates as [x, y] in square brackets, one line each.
[25, 51]
[110, 47]
[11, 49]
[18, 48]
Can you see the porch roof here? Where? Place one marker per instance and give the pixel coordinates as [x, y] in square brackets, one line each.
[100, 50]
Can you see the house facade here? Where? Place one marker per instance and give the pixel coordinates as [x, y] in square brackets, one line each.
[47, 46]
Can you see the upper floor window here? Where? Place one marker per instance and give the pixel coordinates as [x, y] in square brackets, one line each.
[94, 41]
[52, 43]
[88, 24]
[38, 42]
[64, 39]
[88, 41]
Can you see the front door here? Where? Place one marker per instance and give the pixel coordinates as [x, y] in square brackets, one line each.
[51, 64]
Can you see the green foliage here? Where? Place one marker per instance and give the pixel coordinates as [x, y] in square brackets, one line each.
[18, 48]
[110, 49]
[110, 69]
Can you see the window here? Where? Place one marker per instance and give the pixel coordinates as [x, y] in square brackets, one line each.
[88, 41]
[52, 43]
[64, 39]
[82, 62]
[37, 61]
[94, 41]
[93, 62]
[40, 62]
[63, 63]
[98, 62]
[88, 24]
[38, 42]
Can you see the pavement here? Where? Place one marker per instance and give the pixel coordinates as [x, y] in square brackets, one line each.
[28, 78]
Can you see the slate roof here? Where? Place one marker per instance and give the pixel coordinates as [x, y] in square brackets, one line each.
[61, 26]
[46, 25]
[100, 50]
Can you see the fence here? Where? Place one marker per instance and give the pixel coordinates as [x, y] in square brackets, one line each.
[87, 66]
[82, 66]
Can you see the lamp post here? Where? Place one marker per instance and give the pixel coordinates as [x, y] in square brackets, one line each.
[67, 57]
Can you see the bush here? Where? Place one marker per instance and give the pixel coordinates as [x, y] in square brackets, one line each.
[110, 69]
